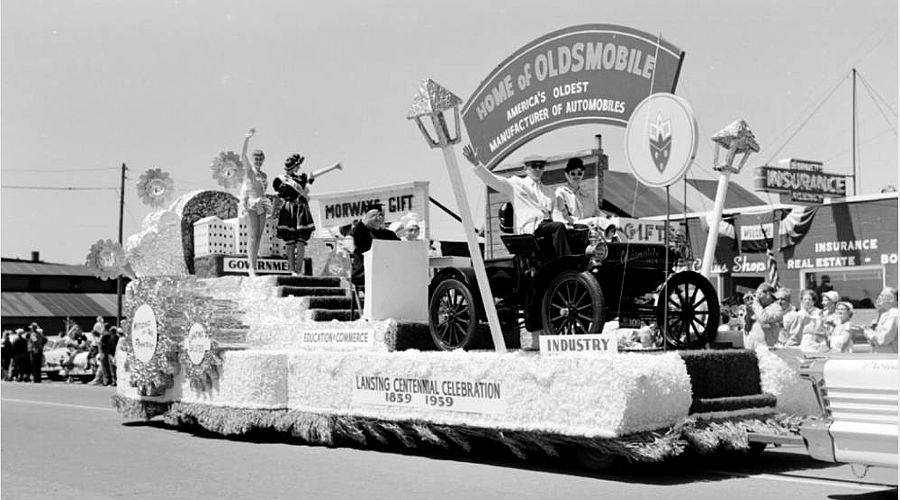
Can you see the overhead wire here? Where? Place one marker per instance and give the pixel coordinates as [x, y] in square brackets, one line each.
[805, 121]
[869, 90]
[880, 97]
[42, 171]
[61, 188]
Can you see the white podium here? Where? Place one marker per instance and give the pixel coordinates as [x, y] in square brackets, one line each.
[396, 281]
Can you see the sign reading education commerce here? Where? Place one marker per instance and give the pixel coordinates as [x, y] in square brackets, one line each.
[803, 180]
[424, 393]
[143, 333]
[340, 209]
[593, 73]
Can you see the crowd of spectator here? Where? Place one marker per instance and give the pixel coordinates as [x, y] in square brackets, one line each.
[23, 352]
[770, 319]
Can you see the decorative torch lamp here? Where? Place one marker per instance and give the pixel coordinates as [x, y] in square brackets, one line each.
[735, 139]
[431, 102]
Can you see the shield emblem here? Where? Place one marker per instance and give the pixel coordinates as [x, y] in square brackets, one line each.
[660, 142]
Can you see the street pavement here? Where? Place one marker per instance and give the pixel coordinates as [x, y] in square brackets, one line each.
[65, 441]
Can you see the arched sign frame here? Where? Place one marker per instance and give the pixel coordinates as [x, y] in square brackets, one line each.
[592, 73]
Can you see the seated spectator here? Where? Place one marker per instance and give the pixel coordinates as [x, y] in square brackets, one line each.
[882, 333]
[841, 336]
[829, 303]
[767, 318]
[783, 297]
[803, 327]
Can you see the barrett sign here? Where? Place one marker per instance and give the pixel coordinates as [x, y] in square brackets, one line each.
[595, 73]
[804, 181]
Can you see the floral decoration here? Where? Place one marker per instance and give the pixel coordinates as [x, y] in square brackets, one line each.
[155, 376]
[155, 187]
[227, 169]
[203, 375]
[106, 259]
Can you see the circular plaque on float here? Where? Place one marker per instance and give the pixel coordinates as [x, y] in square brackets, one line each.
[661, 139]
[198, 343]
[144, 336]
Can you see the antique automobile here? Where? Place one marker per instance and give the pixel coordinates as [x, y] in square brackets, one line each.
[857, 396]
[575, 294]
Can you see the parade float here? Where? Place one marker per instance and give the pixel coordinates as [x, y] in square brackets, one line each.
[207, 346]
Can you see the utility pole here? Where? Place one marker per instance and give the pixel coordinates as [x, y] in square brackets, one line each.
[855, 177]
[119, 279]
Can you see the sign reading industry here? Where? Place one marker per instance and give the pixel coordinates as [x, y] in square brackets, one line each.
[596, 73]
[802, 181]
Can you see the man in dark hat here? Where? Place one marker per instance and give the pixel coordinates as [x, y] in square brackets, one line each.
[371, 227]
[35, 344]
[532, 201]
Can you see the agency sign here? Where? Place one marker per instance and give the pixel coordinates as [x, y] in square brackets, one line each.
[801, 182]
[594, 73]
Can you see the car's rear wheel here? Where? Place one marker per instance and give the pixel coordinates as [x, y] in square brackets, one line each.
[688, 310]
[452, 317]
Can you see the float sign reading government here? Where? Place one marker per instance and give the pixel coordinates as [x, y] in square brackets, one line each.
[593, 73]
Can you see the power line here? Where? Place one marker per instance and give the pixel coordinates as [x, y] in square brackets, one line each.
[809, 117]
[883, 100]
[60, 188]
[883, 114]
[34, 170]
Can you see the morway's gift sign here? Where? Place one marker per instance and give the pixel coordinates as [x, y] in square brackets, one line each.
[397, 200]
[593, 73]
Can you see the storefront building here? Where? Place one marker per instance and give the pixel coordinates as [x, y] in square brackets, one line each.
[848, 245]
[49, 294]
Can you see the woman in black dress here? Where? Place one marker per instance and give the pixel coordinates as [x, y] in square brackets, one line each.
[295, 222]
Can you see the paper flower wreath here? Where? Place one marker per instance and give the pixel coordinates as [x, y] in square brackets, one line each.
[106, 259]
[155, 187]
[227, 169]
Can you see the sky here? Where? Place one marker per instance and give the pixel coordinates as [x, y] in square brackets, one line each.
[86, 86]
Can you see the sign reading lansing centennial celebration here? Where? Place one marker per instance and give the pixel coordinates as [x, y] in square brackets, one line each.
[143, 333]
[423, 393]
[594, 73]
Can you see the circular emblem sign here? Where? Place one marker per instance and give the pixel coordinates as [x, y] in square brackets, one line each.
[143, 333]
[198, 343]
[661, 139]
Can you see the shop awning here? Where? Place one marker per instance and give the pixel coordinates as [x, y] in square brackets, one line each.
[42, 305]
[736, 197]
[623, 190]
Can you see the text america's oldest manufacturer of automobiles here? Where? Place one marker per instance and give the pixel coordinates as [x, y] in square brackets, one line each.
[594, 73]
